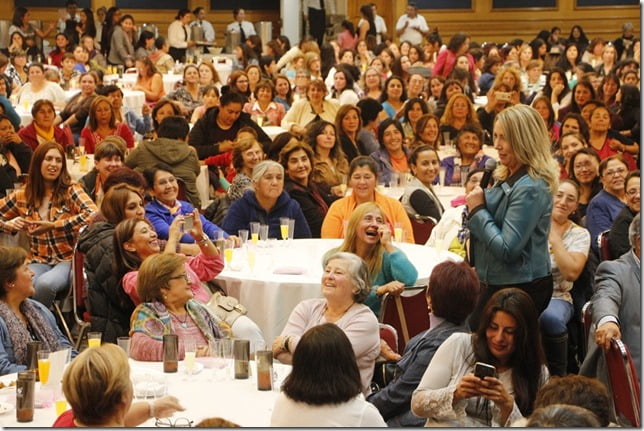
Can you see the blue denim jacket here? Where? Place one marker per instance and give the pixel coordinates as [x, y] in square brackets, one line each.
[509, 235]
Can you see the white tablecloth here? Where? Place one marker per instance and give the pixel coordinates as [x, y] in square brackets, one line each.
[169, 80]
[201, 395]
[271, 297]
[273, 131]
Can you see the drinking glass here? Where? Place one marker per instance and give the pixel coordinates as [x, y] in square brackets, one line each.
[254, 231]
[398, 232]
[229, 245]
[43, 366]
[263, 233]
[243, 235]
[291, 228]
[94, 339]
[343, 185]
[284, 227]
[393, 182]
[251, 255]
[124, 343]
[190, 349]
[441, 176]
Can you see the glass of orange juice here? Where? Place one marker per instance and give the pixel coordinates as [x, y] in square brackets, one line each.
[94, 339]
[43, 366]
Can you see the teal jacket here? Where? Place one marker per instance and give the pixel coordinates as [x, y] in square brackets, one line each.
[395, 266]
[509, 234]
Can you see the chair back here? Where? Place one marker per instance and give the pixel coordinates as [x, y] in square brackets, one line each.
[407, 313]
[389, 334]
[79, 292]
[181, 194]
[603, 246]
[624, 383]
[422, 227]
[587, 321]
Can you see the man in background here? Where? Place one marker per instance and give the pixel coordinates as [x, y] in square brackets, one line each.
[411, 26]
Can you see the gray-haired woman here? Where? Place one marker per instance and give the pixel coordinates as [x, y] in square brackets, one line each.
[267, 203]
[345, 285]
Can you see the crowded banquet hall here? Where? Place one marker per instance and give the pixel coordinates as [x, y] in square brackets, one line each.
[334, 213]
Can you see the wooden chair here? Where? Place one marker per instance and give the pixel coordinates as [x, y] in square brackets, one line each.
[422, 227]
[624, 383]
[407, 313]
[587, 322]
[79, 295]
[389, 334]
[603, 246]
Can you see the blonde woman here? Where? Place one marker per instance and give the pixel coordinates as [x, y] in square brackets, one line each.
[509, 223]
[458, 112]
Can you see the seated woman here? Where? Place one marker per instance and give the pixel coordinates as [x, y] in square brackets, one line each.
[569, 247]
[171, 150]
[208, 75]
[149, 80]
[245, 156]
[102, 123]
[487, 114]
[329, 161]
[569, 144]
[165, 205]
[450, 87]
[163, 61]
[458, 112]
[98, 388]
[42, 128]
[264, 110]
[469, 144]
[141, 124]
[450, 394]
[419, 197]
[584, 169]
[363, 178]
[369, 236]
[451, 294]
[51, 209]
[108, 157]
[324, 354]
[39, 88]
[23, 319]
[426, 131]
[15, 154]
[268, 202]
[345, 285]
[618, 235]
[608, 203]
[342, 89]
[414, 109]
[210, 99]
[296, 159]
[604, 143]
[168, 306]
[314, 107]
[76, 110]
[392, 154]
[393, 96]
[188, 96]
[348, 123]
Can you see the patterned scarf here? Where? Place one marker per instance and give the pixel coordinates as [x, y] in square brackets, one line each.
[153, 320]
[19, 334]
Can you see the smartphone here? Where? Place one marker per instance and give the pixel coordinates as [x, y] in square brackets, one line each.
[481, 370]
[187, 222]
[502, 95]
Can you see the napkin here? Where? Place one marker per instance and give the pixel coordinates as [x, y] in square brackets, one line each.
[294, 270]
[57, 366]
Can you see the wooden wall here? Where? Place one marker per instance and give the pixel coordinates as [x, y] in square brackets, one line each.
[481, 22]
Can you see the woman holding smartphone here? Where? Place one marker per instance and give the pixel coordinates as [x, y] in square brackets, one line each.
[490, 377]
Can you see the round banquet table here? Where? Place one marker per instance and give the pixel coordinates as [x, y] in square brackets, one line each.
[230, 400]
[287, 272]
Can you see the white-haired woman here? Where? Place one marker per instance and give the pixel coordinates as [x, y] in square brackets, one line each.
[345, 285]
[509, 223]
[266, 203]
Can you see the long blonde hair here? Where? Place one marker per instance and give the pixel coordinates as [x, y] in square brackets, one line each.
[374, 259]
[525, 131]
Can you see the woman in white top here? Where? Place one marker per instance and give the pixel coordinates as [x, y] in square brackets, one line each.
[39, 88]
[342, 89]
[323, 389]
[453, 393]
[314, 107]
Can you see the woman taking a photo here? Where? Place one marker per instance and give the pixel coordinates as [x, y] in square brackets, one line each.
[363, 179]
[369, 236]
[102, 123]
[451, 394]
[469, 143]
[51, 209]
[168, 306]
[419, 197]
[324, 354]
[330, 164]
[345, 285]
[23, 319]
[511, 247]
[296, 158]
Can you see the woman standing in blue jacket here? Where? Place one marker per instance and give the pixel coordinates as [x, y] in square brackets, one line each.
[509, 223]
[267, 203]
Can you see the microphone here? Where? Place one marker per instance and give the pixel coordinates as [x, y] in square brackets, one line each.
[490, 166]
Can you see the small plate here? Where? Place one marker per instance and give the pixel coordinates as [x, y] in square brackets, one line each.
[5, 408]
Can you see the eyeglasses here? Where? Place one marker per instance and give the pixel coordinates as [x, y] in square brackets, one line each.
[620, 171]
[633, 192]
[178, 423]
[180, 276]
